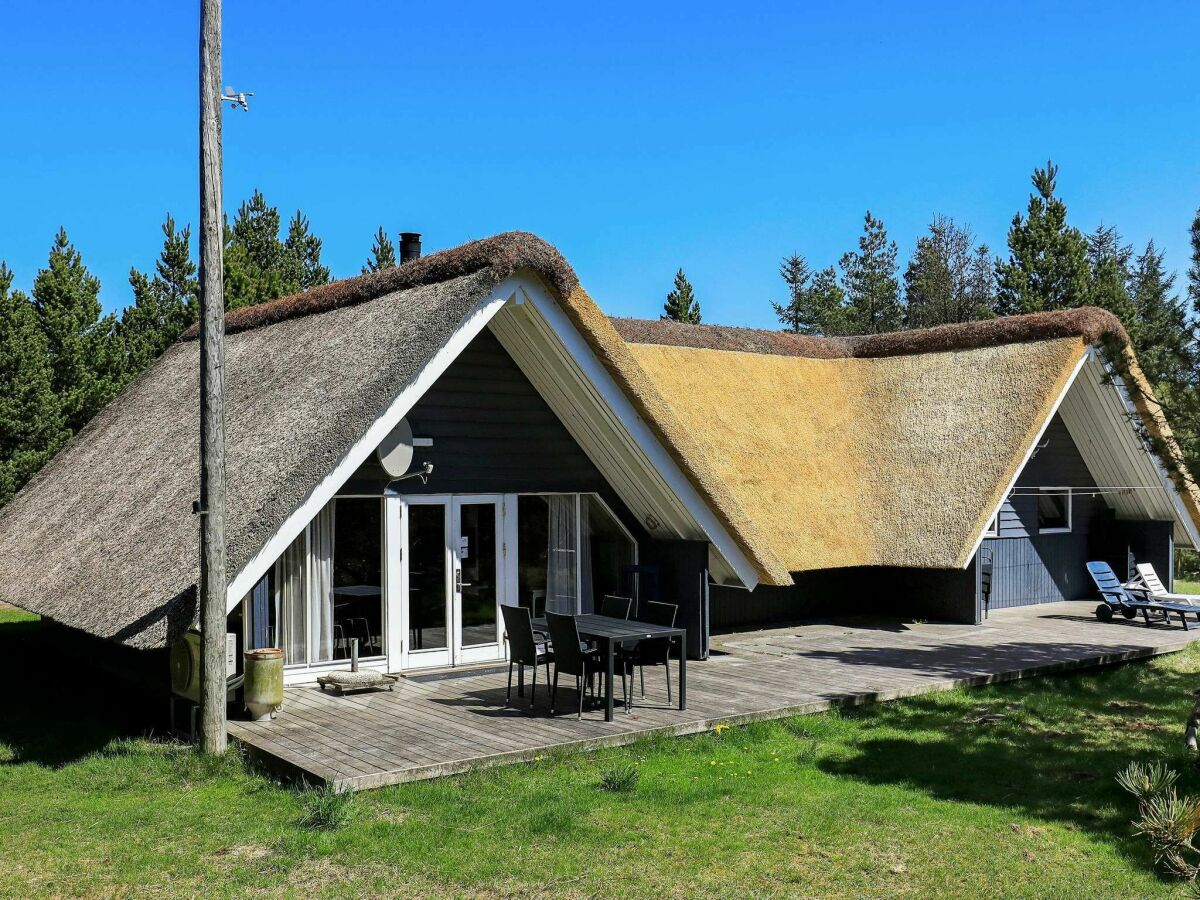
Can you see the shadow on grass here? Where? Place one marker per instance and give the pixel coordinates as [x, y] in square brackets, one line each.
[67, 695]
[1052, 753]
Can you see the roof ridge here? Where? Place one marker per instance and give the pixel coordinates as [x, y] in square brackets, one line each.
[503, 254]
[1092, 324]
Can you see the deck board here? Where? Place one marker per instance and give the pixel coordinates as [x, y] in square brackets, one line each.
[425, 729]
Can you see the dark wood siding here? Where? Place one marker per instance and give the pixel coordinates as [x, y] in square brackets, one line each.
[492, 433]
[1030, 567]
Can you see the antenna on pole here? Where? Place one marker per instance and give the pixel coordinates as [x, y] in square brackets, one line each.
[213, 576]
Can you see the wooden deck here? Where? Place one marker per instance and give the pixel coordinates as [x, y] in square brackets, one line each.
[432, 726]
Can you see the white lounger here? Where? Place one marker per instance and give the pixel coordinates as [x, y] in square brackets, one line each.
[1157, 589]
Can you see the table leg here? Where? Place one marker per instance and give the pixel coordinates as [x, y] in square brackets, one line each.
[608, 684]
[682, 675]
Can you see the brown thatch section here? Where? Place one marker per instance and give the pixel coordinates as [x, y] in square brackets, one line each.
[103, 539]
[891, 461]
[498, 256]
[1090, 323]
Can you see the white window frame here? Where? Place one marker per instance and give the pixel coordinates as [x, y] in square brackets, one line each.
[992, 530]
[1068, 492]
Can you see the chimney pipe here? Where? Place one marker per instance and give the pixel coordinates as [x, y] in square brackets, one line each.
[410, 246]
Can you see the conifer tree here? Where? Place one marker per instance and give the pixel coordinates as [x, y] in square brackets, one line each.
[873, 302]
[1194, 268]
[1047, 266]
[258, 265]
[383, 253]
[81, 345]
[31, 422]
[682, 305]
[1109, 261]
[828, 302]
[815, 300]
[163, 304]
[1160, 327]
[303, 249]
[947, 281]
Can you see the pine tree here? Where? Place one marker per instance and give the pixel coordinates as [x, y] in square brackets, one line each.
[682, 305]
[1047, 266]
[81, 346]
[1160, 328]
[796, 315]
[303, 249]
[163, 305]
[1194, 268]
[873, 303]
[383, 253]
[946, 280]
[828, 302]
[258, 265]
[31, 422]
[1109, 260]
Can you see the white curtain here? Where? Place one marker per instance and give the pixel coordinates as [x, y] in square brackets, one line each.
[290, 583]
[586, 598]
[320, 580]
[562, 583]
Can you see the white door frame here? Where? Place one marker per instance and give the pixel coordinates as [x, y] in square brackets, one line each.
[492, 649]
[401, 655]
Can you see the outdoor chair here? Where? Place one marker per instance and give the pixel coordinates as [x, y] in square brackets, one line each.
[651, 651]
[1149, 579]
[570, 659]
[523, 648]
[615, 607]
[1132, 601]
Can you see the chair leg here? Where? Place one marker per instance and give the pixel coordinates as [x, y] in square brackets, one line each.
[508, 696]
[667, 669]
[553, 690]
[533, 687]
[579, 683]
[642, 675]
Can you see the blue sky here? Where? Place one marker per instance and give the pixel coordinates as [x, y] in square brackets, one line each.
[637, 138]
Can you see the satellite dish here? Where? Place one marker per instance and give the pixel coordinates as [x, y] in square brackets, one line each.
[396, 450]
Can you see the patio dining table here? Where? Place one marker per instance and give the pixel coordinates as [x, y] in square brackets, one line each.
[611, 633]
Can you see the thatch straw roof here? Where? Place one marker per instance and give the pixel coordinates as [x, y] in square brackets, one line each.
[103, 539]
[879, 450]
[813, 453]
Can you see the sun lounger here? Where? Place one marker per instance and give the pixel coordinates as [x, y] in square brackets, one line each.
[1158, 591]
[1134, 601]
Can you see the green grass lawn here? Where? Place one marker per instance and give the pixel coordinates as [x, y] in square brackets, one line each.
[1187, 587]
[914, 798]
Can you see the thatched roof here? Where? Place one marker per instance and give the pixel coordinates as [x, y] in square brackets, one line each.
[879, 450]
[811, 452]
[103, 538]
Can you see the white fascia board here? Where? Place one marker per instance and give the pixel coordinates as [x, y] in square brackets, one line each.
[1168, 484]
[640, 432]
[324, 491]
[1029, 451]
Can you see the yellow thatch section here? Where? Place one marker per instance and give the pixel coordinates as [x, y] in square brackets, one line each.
[861, 462]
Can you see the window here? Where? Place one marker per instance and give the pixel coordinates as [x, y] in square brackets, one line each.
[1054, 510]
[993, 528]
[570, 550]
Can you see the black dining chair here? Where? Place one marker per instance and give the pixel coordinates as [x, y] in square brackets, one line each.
[615, 607]
[570, 658]
[651, 651]
[524, 648]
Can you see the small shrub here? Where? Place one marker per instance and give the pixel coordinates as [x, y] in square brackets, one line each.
[324, 809]
[621, 780]
[1168, 821]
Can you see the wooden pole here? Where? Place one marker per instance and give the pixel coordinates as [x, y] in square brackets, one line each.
[212, 390]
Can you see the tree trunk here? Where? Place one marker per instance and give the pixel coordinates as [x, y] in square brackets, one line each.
[1193, 723]
[212, 390]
